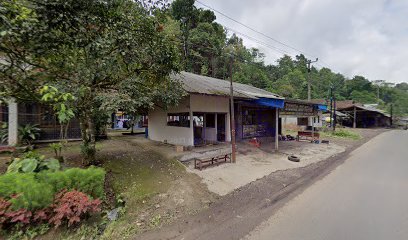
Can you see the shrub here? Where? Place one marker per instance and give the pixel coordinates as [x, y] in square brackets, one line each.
[28, 133]
[89, 181]
[34, 191]
[25, 191]
[72, 207]
[10, 217]
[33, 162]
[69, 206]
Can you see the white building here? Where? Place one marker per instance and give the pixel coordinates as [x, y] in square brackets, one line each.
[204, 115]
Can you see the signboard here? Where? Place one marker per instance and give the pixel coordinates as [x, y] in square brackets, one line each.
[297, 109]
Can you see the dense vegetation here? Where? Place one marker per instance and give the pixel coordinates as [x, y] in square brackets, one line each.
[207, 50]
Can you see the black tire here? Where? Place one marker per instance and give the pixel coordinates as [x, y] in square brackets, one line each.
[293, 158]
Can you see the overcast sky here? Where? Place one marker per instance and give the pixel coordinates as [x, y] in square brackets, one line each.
[353, 37]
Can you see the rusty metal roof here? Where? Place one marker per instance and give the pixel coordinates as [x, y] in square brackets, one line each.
[194, 83]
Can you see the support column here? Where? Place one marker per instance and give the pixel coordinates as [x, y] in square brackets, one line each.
[276, 129]
[313, 135]
[191, 122]
[12, 122]
[216, 127]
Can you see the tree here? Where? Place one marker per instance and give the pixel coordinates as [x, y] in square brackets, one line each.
[402, 86]
[185, 12]
[95, 50]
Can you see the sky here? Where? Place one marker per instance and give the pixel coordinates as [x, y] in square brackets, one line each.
[352, 37]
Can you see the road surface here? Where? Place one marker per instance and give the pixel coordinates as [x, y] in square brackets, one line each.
[365, 198]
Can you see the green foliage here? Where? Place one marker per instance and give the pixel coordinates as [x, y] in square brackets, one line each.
[57, 148]
[33, 162]
[93, 52]
[3, 133]
[29, 233]
[28, 133]
[36, 190]
[89, 181]
[62, 102]
[343, 133]
[31, 193]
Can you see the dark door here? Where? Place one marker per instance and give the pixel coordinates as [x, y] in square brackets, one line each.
[221, 127]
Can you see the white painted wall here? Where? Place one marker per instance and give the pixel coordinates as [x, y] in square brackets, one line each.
[318, 121]
[291, 120]
[159, 131]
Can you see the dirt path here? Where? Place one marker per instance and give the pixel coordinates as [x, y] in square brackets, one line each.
[239, 212]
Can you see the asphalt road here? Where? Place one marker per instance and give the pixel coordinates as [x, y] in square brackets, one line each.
[365, 198]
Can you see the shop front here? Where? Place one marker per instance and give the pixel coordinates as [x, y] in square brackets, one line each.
[258, 118]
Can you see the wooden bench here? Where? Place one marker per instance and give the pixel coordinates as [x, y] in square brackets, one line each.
[212, 159]
[307, 135]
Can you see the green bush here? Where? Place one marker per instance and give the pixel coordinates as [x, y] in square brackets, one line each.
[37, 190]
[28, 133]
[89, 181]
[30, 193]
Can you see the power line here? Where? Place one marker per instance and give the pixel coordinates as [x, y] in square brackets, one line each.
[252, 29]
[265, 35]
[258, 41]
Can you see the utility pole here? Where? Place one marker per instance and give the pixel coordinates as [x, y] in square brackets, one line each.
[334, 113]
[391, 113]
[309, 62]
[331, 106]
[232, 115]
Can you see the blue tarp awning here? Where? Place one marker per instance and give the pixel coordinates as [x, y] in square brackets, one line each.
[270, 102]
[322, 107]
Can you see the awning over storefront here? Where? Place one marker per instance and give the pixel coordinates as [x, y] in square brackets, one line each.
[270, 102]
[321, 107]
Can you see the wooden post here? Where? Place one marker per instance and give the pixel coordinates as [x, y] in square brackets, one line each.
[355, 120]
[232, 115]
[277, 130]
[313, 119]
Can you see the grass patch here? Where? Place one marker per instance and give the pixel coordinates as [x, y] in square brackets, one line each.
[139, 173]
[342, 133]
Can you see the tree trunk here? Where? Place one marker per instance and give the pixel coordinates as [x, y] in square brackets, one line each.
[88, 139]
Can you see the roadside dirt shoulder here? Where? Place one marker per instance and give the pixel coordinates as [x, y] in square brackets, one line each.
[236, 214]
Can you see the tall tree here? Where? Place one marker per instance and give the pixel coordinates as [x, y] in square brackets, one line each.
[95, 50]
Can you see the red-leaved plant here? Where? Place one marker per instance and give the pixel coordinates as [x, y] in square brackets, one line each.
[23, 217]
[72, 206]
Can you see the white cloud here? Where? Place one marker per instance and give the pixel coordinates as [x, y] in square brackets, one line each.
[365, 37]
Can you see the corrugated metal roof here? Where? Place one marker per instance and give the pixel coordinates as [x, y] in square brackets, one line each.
[194, 83]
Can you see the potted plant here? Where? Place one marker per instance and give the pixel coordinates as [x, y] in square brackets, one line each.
[28, 134]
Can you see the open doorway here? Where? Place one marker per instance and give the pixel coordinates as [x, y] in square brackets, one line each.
[221, 118]
[198, 128]
[208, 128]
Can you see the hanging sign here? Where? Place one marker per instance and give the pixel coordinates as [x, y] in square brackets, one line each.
[297, 109]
